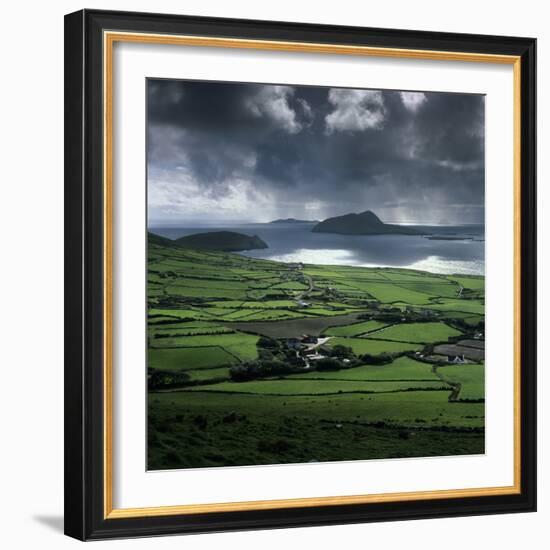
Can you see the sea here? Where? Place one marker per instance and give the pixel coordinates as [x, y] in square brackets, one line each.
[440, 249]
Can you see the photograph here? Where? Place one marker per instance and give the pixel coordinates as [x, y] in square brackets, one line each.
[300, 272]
[315, 274]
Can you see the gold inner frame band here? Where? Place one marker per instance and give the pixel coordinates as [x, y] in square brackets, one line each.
[109, 39]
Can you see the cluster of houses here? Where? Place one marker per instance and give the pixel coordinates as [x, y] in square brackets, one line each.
[423, 312]
[468, 350]
[299, 343]
[307, 347]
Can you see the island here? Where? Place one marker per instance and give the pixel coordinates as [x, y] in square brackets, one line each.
[365, 223]
[154, 239]
[223, 241]
[293, 220]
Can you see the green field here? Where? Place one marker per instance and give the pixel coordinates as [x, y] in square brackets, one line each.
[403, 368]
[318, 387]
[228, 340]
[241, 346]
[355, 329]
[400, 409]
[196, 429]
[474, 283]
[421, 333]
[373, 347]
[165, 331]
[208, 374]
[464, 305]
[189, 358]
[470, 377]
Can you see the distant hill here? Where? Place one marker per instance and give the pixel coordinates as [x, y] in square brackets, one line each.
[293, 220]
[225, 241]
[365, 223]
[161, 241]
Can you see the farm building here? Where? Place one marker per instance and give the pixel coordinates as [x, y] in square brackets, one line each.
[293, 343]
[463, 348]
[314, 356]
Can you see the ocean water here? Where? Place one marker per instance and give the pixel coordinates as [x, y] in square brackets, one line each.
[456, 249]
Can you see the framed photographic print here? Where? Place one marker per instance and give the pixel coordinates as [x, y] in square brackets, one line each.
[300, 274]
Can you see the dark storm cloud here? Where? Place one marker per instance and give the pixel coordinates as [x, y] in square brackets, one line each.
[240, 152]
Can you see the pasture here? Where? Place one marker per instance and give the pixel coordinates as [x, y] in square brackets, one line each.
[471, 379]
[420, 333]
[325, 386]
[355, 329]
[183, 359]
[402, 368]
[198, 429]
[361, 346]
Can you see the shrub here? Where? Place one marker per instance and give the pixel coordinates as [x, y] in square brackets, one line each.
[265, 354]
[201, 421]
[158, 379]
[328, 364]
[344, 352]
[260, 369]
[277, 446]
[266, 342]
[382, 359]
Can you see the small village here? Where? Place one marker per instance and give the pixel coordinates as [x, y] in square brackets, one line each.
[310, 353]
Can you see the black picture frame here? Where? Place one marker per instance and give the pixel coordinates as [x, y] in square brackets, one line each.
[84, 282]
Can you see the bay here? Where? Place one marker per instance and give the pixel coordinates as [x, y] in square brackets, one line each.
[440, 249]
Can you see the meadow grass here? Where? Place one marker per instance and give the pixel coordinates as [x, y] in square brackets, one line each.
[206, 292]
[463, 305]
[361, 346]
[355, 329]
[447, 289]
[470, 377]
[473, 283]
[208, 374]
[176, 359]
[318, 387]
[402, 368]
[405, 408]
[387, 292]
[242, 346]
[422, 333]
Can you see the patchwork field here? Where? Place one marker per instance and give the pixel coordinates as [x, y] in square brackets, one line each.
[256, 362]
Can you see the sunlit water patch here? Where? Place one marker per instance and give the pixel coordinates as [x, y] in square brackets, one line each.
[325, 256]
[457, 249]
[435, 264]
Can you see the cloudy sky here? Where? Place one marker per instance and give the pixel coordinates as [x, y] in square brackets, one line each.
[228, 153]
